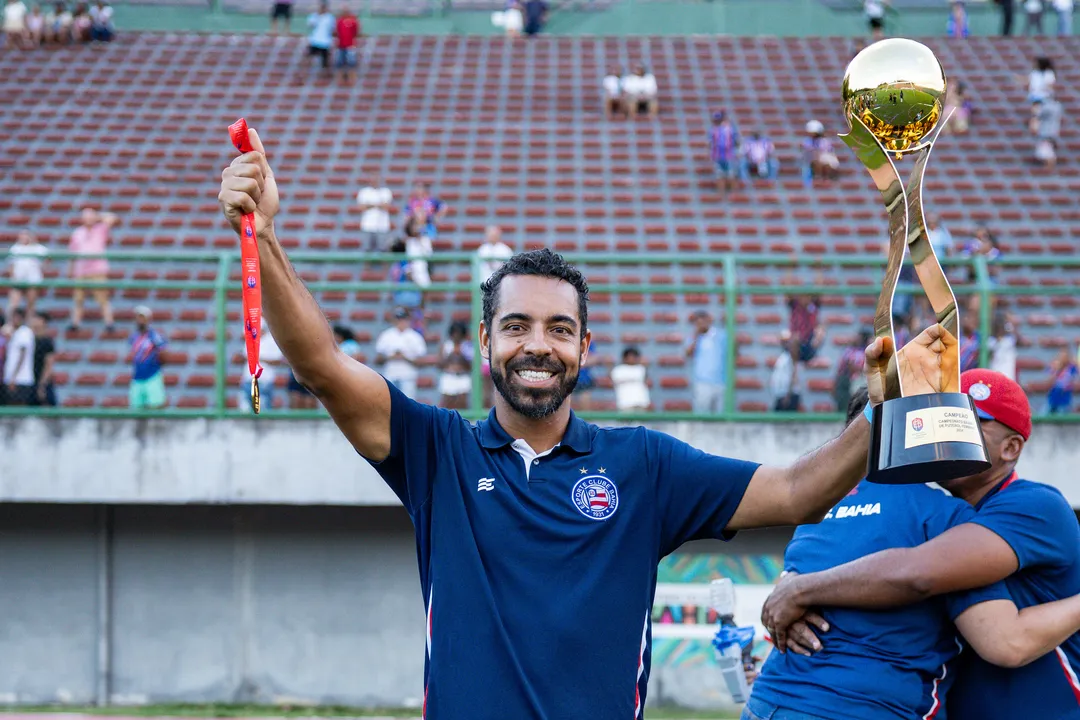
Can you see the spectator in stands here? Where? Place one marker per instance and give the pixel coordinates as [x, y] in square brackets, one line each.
[613, 94]
[983, 243]
[630, 380]
[1064, 378]
[724, 151]
[398, 349]
[35, 26]
[19, 361]
[418, 248]
[348, 29]
[282, 10]
[784, 381]
[535, 16]
[5, 335]
[26, 273]
[493, 253]
[819, 160]
[81, 24]
[300, 398]
[455, 361]
[586, 381]
[512, 19]
[91, 238]
[346, 340]
[969, 341]
[375, 201]
[58, 24]
[147, 388]
[804, 325]
[1041, 80]
[641, 92]
[1002, 345]
[961, 106]
[939, 236]
[101, 22]
[1033, 13]
[44, 357]
[271, 359]
[849, 370]
[1063, 9]
[408, 296]
[321, 26]
[15, 30]
[431, 210]
[957, 24]
[707, 351]
[874, 10]
[757, 158]
[1046, 127]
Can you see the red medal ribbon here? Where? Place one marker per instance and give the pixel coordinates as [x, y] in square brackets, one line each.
[252, 288]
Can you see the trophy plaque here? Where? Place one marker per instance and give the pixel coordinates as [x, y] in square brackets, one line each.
[893, 94]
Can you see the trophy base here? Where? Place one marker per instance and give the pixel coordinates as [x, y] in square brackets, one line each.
[926, 438]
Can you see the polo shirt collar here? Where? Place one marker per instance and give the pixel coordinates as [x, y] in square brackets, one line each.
[577, 437]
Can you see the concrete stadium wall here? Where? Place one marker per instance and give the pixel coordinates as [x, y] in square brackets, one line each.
[310, 463]
[137, 604]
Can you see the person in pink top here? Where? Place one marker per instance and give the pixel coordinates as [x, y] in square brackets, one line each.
[90, 238]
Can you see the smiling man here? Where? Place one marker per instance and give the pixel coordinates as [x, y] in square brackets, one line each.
[538, 534]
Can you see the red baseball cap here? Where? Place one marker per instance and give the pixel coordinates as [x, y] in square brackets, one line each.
[997, 397]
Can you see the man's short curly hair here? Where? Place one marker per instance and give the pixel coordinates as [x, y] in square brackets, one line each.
[539, 263]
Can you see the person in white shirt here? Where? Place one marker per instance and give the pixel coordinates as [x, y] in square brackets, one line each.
[417, 249]
[629, 381]
[1002, 346]
[26, 274]
[784, 381]
[1033, 11]
[15, 24]
[375, 201]
[512, 19]
[493, 253]
[271, 358]
[322, 25]
[613, 99]
[939, 236]
[58, 22]
[19, 361]
[455, 381]
[1041, 80]
[874, 10]
[397, 349]
[1064, 11]
[101, 22]
[641, 91]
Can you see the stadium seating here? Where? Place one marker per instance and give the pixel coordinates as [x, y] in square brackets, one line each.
[511, 133]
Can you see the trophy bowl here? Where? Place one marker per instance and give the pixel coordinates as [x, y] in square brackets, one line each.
[897, 88]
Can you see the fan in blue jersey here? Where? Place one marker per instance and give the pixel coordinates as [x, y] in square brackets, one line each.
[538, 534]
[1023, 532]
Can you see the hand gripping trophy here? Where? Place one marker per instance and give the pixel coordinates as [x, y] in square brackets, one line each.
[893, 93]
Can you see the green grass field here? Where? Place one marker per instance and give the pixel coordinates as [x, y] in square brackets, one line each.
[269, 711]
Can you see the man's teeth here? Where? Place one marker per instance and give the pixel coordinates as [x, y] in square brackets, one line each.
[534, 374]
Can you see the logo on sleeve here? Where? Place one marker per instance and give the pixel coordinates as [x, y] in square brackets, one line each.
[595, 497]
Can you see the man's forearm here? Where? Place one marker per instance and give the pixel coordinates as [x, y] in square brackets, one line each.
[821, 478]
[1043, 627]
[296, 321]
[875, 581]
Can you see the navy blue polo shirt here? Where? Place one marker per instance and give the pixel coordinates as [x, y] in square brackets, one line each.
[1040, 526]
[875, 664]
[538, 571]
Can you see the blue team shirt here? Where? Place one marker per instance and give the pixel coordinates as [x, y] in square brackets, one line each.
[895, 664]
[146, 354]
[1038, 523]
[538, 578]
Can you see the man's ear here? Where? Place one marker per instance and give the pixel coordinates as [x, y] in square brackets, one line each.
[585, 347]
[1011, 448]
[485, 341]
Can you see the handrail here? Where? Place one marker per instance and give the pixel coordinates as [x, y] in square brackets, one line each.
[729, 264]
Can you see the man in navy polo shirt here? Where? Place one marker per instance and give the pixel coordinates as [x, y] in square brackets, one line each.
[538, 534]
[900, 664]
[1023, 532]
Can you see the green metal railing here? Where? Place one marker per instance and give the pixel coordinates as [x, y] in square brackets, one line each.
[727, 266]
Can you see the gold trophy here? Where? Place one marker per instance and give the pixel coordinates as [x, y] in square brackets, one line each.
[893, 95]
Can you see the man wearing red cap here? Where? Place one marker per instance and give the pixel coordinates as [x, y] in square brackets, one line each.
[1024, 532]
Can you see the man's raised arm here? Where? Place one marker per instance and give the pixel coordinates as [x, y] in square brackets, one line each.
[804, 491]
[356, 396]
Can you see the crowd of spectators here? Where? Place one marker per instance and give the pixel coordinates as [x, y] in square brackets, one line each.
[58, 24]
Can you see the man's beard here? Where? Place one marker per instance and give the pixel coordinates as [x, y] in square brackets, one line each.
[534, 403]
